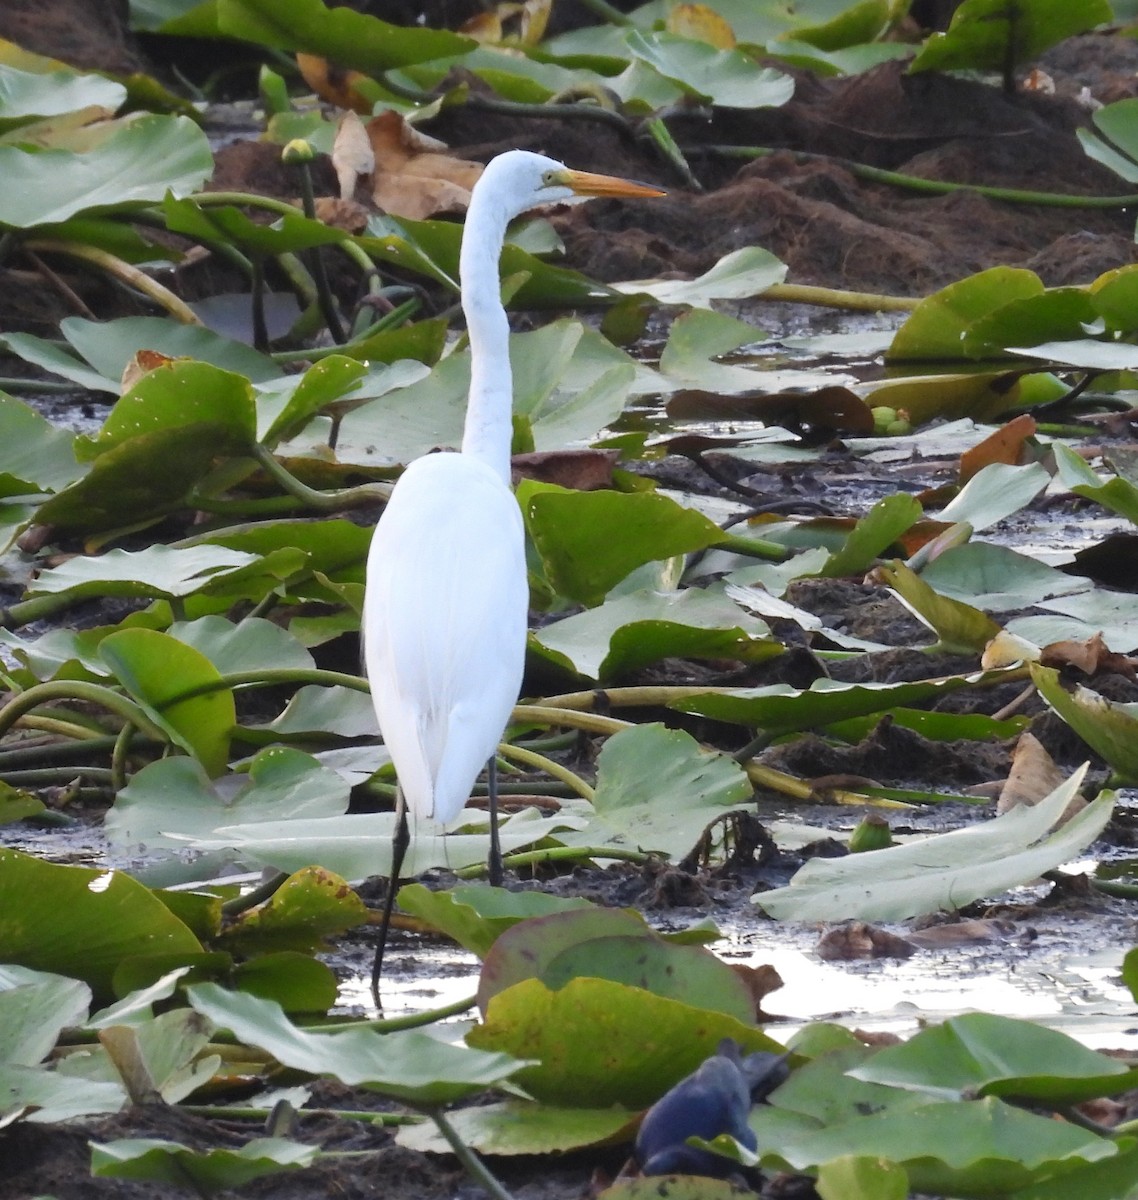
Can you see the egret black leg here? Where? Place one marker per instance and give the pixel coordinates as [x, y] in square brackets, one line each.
[494, 863]
[399, 844]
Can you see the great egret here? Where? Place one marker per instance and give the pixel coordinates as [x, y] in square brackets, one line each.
[446, 598]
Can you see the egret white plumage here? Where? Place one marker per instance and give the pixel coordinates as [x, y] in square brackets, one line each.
[446, 598]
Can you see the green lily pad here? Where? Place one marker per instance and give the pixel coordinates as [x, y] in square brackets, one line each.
[26, 94]
[658, 790]
[630, 631]
[346, 37]
[158, 1161]
[1117, 147]
[981, 1148]
[736, 276]
[176, 395]
[35, 1008]
[984, 1054]
[992, 35]
[1109, 729]
[572, 532]
[110, 345]
[935, 329]
[959, 627]
[174, 798]
[728, 78]
[156, 571]
[35, 456]
[860, 1177]
[873, 534]
[85, 921]
[476, 917]
[780, 709]
[138, 163]
[515, 1127]
[308, 907]
[612, 944]
[408, 1065]
[158, 671]
[600, 1043]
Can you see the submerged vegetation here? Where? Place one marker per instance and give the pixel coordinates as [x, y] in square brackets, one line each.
[183, 589]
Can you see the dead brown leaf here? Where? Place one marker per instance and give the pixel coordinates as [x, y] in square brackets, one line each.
[760, 981]
[856, 939]
[1033, 776]
[581, 470]
[413, 177]
[352, 154]
[335, 84]
[1004, 445]
[341, 214]
[1092, 657]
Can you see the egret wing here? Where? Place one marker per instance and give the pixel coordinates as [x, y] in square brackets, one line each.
[444, 626]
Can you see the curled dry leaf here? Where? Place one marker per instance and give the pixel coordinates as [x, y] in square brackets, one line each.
[335, 84]
[511, 23]
[760, 981]
[856, 939]
[1004, 445]
[1007, 648]
[142, 362]
[352, 154]
[1092, 657]
[341, 214]
[1033, 776]
[701, 24]
[581, 470]
[947, 934]
[413, 178]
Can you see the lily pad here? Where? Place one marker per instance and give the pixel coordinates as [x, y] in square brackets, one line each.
[945, 871]
[601, 1043]
[408, 1065]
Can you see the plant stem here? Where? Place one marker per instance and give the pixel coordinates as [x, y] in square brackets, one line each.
[474, 1166]
[934, 186]
[799, 789]
[323, 288]
[77, 689]
[801, 293]
[534, 858]
[129, 274]
[531, 758]
[394, 1024]
[627, 697]
[753, 547]
[226, 1112]
[366, 493]
[573, 718]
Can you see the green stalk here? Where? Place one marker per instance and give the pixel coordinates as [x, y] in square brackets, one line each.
[575, 719]
[934, 187]
[554, 854]
[473, 1165]
[76, 689]
[532, 759]
[366, 493]
[232, 1112]
[124, 271]
[799, 789]
[753, 547]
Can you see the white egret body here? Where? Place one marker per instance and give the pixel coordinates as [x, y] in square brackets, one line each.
[446, 600]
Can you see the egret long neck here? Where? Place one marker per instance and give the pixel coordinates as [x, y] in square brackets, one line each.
[489, 429]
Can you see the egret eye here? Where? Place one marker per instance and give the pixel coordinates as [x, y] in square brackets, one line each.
[548, 178]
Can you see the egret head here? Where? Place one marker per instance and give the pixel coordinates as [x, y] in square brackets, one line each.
[520, 180]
